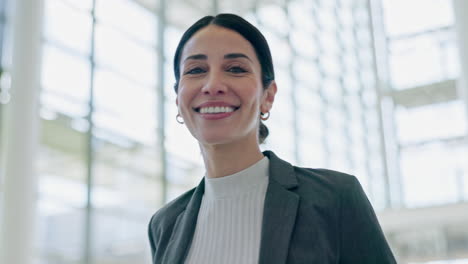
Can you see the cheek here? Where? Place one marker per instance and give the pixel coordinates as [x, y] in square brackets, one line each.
[184, 97]
[254, 95]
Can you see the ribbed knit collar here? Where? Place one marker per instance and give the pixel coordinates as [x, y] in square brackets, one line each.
[243, 181]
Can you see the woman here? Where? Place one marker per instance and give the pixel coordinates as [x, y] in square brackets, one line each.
[252, 207]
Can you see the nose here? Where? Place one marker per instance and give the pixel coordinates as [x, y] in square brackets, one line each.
[215, 85]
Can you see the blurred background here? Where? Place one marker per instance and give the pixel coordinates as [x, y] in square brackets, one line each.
[369, 87]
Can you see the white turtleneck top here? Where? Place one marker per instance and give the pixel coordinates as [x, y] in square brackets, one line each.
[229, 222]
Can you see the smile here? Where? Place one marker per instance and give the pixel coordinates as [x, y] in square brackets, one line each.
[215, 109]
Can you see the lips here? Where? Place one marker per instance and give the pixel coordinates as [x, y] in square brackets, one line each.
[215, 108]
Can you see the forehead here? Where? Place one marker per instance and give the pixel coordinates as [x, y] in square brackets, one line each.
[215, 39]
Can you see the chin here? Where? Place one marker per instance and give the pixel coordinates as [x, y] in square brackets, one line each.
[216, 138]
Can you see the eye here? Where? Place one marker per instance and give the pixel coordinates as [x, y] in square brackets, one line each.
[196, 70]
[236, 69]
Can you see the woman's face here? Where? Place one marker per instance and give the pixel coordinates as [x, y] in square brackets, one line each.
[220, 93]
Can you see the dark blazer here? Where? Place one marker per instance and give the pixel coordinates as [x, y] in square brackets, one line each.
[310, 216]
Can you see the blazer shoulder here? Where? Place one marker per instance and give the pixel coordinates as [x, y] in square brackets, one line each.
[167, 214]
[309, 181]
[162, 223]
[331, 178]
[340, 199]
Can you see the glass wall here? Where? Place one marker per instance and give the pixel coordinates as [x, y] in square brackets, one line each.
[4, 64]
[430, 128]
[424, 66]
[100, 169]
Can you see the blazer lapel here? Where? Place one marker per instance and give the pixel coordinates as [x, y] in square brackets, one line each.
[184, 228]
[279, 214]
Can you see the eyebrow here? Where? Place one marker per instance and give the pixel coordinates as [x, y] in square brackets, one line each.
[227, 56]
[236, 55]
[196, 57]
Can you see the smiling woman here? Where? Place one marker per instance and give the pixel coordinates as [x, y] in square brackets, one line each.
[220, 81]
[252, 207]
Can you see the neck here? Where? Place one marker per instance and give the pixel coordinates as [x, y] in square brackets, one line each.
[226, 159]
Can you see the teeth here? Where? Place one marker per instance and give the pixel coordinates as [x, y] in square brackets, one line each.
[216, 110]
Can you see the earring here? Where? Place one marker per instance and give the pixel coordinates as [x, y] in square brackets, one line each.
[179, 119]
[264, 118]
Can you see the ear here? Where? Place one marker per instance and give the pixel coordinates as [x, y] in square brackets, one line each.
[177, 101]
[268, 97]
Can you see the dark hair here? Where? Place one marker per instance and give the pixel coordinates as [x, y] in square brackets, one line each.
[245, 29]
